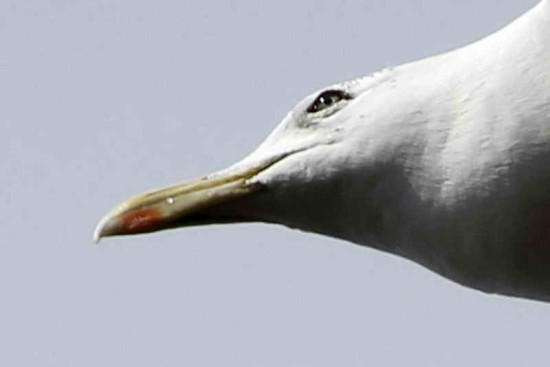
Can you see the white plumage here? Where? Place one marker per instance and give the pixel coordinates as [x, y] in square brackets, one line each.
[445, 161]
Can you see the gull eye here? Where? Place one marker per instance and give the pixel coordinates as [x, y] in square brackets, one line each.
[327, 99]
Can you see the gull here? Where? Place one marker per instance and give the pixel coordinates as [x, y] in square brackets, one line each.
[443, 161]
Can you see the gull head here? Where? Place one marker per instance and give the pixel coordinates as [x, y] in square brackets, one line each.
[327, 168]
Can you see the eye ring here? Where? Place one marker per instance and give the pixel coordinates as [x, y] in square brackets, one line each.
[327, 99]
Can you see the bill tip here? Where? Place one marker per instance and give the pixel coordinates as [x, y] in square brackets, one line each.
[97, 235]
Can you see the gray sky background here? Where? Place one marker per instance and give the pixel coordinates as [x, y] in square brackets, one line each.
[101, 100]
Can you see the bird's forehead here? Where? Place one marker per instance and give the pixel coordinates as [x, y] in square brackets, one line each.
[360, 85]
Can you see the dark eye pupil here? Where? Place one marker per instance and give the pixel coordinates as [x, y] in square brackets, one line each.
[327, 99]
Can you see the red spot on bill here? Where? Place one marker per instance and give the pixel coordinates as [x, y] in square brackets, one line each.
[140, 220]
